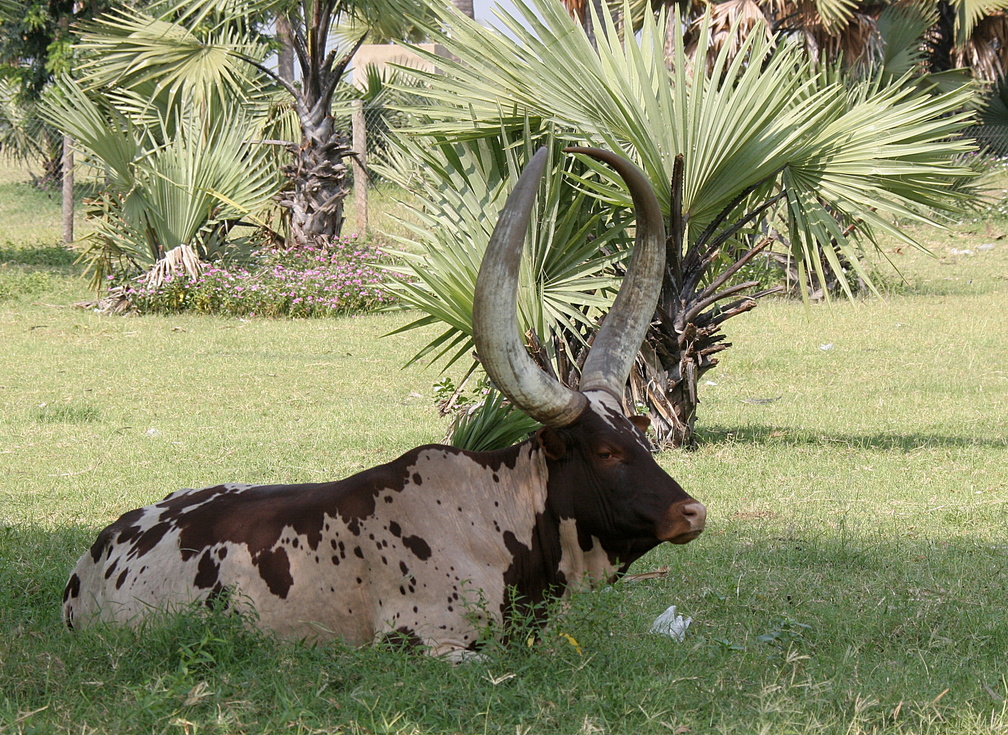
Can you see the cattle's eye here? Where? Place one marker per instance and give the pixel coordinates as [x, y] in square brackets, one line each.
[606, 455]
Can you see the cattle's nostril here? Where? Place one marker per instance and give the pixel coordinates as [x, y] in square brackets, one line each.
[695, 514]
[683, 521]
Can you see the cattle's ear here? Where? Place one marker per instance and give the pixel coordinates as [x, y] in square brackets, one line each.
[552, 443]
[641, 422]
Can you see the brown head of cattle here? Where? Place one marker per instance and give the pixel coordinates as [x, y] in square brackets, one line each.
[408, 548]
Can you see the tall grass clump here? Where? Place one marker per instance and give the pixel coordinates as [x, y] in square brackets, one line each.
[343, 277]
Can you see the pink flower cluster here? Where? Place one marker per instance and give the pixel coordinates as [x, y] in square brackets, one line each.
[344, 277]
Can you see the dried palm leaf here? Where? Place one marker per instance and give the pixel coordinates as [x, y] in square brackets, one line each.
[182, 259]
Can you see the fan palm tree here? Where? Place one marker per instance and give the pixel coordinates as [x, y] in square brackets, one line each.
[183, 43]
[763, 142]
[178, 175]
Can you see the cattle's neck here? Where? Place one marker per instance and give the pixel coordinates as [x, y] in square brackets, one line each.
[597, 537]
[573, 546]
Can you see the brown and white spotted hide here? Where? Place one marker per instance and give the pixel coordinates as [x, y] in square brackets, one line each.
[418, 548]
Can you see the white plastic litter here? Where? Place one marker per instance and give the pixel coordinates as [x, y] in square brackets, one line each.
[672, 625]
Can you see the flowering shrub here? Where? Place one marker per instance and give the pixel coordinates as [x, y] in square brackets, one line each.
[342, 278]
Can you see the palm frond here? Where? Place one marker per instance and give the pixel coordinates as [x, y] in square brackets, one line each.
[835, 14]
[128, 47]
[457, 191]
[96, 127]
[762, 117]
[492, 424]
[901, 30]
[970, 12]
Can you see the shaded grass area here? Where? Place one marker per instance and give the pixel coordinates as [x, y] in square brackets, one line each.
[853, 577]
[40, 270]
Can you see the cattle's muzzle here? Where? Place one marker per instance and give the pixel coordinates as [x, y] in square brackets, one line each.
[683, 522]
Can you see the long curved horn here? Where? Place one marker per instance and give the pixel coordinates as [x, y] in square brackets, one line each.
[495, 319]
[619, 338]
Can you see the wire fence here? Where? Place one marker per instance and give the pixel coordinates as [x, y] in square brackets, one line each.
[32, 197]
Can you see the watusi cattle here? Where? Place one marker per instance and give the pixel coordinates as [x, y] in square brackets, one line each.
[438, 543]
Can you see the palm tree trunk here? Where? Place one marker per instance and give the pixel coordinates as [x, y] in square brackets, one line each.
[318, 181]
[285, 56]
[941, 39]
[317, 175]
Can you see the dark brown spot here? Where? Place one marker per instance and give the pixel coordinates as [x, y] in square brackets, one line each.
[534, 574]
[111, 568]
[207, 572]
[358, 552]
[395, 529]
[121, 579]
[417, 480]
[403, 637]
[217, 599]
[420, 548]
[147, 540]
[103, 542]
[274, 568]
[72, 588]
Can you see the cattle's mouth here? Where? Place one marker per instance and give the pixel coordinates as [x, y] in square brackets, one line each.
[683, 522]
[684, 538]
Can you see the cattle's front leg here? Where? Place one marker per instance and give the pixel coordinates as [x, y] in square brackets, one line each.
[454, 654]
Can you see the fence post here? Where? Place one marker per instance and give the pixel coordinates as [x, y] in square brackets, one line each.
[67, 164]
[360, 177]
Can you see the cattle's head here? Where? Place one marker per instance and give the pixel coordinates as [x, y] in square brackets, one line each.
[599, 459]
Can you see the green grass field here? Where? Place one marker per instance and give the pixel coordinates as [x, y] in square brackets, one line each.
[853, 577]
